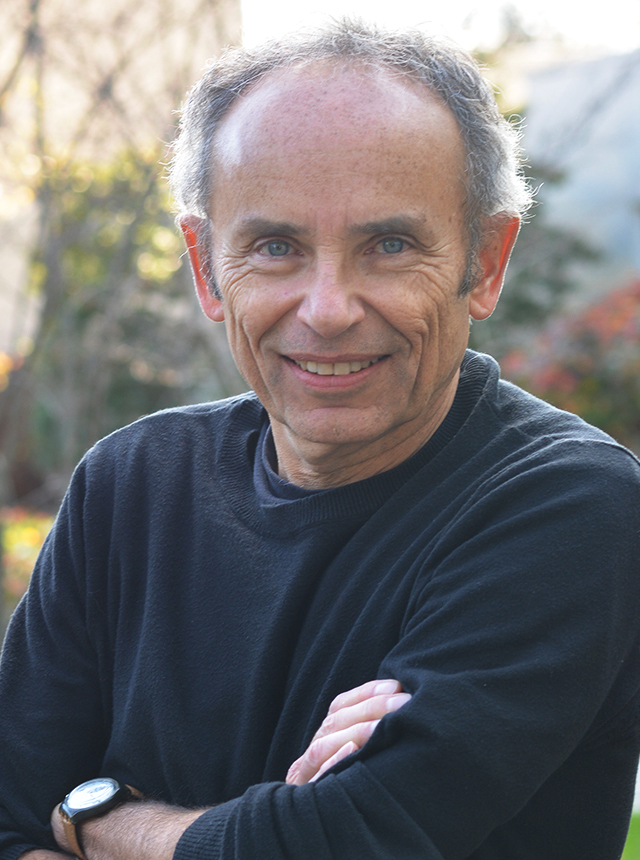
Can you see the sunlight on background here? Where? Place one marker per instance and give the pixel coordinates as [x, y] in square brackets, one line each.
[615, 27]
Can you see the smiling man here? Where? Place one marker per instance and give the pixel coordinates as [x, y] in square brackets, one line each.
[385, 605]
[340, 245]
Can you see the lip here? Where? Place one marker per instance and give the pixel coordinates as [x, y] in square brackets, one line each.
[334, 381]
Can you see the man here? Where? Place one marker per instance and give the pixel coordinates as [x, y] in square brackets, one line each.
[385, 514]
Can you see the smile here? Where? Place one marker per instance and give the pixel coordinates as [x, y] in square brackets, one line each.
[337, 368]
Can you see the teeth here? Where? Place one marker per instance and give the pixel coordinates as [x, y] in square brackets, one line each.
[338, 368]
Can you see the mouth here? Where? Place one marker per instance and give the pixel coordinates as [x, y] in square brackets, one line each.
[336, 368]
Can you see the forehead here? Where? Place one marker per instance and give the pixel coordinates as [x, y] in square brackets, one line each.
[349, 129]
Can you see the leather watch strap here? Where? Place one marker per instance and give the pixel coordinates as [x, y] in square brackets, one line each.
[71, 834]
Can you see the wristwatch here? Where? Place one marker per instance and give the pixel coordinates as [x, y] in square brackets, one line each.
[89, 800]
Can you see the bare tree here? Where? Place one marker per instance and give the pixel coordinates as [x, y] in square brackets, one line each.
[94, 293]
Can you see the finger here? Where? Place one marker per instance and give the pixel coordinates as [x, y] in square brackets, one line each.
[363, 712]
[343, 752]
[293, 772]
[385, 687]
[352, 718]
[322, 749]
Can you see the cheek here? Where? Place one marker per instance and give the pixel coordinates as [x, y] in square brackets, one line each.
[250, 315]
[414, 306]
[436, 327]
[260, 320]
[241, 301]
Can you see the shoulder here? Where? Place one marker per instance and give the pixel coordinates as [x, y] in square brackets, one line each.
[168, 448]
[524, 475]
[181, 427]
[520, 428]
[243, 410]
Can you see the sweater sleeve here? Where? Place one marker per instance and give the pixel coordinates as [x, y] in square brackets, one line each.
[520, 650]
[51, 708]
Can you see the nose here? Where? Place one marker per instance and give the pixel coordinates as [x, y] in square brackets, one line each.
[331, 303]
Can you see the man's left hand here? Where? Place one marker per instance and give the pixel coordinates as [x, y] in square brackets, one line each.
[350, 722]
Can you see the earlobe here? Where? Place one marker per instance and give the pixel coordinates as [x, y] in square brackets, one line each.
[493, 260]
[211, 306]
[193, 228]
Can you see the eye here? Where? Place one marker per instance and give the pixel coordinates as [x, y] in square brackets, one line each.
[392, 245]
[276, 248]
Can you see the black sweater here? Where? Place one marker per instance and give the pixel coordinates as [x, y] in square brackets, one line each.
[187, 627]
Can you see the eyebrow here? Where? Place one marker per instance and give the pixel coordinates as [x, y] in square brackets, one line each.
[254, 226]
[395, 224]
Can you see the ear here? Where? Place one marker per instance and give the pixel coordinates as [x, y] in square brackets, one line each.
[493, 258]
[194, 230]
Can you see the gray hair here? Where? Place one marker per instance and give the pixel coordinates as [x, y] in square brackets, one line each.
[493, 178]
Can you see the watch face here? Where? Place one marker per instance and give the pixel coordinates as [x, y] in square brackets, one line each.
[93, 793]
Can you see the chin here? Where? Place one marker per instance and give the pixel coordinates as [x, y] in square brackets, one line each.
[356, 431]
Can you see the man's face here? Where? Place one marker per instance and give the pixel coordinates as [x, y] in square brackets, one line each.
[339, 246]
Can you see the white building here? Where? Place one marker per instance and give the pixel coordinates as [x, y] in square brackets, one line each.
[583, 120]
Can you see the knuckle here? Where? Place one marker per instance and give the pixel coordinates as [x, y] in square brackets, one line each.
[293, 771]
[370, 709]
[365, 731]
[315, 753]
[336, 704]
[329, 724]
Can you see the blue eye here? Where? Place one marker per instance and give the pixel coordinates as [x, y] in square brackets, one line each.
[278, 248]
[392, 245]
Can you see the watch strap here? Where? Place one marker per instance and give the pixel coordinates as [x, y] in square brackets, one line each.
[71, 835]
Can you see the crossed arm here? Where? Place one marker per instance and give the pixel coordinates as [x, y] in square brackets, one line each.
[149, 830]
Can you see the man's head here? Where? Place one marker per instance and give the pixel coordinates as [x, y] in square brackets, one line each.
[492, 176]
[336, 223]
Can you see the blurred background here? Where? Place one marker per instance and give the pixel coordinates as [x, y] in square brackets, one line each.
[98, 321]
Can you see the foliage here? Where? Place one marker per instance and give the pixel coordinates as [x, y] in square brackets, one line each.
[96, 320]
[120, 334]
[90, 77]
[23, 532]
[632, 848]
[589, 363]
[7, 364]
[541, 274]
